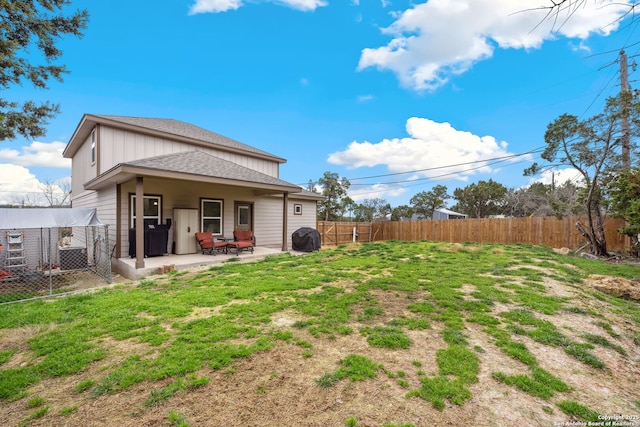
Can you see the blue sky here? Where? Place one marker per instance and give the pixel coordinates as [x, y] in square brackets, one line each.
[362, 88]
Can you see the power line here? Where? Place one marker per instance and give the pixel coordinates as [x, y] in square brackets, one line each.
[434, 178]
[573, 180]
[511, 156]
[503, 158]
[606, 86]
[446, 174]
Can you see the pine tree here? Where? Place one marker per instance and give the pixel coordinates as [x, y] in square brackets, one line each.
[25, 25]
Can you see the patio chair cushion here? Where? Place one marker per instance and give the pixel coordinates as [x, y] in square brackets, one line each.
[242, 244]
[242, 240]
[208, 243]
[244, 236]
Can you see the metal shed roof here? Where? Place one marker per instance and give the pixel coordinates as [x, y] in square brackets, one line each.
[14, 219]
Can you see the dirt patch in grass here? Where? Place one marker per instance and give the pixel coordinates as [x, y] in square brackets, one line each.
[616, 286]
[276, 388]
[18, 340]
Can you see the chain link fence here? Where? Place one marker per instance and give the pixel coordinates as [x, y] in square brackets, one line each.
[41, 262]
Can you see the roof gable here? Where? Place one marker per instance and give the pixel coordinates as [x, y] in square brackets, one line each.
[168, 128]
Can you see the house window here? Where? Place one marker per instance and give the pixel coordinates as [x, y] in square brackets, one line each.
[243, 216]
[93, 147]
[152, 210]
[211, 216]
[297, 209]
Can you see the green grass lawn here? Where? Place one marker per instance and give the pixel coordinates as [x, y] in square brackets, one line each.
[183, 325]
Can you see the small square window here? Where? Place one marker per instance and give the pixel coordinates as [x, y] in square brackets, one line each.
[297, 209]
[243, 216]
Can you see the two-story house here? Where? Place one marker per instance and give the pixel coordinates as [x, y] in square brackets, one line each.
[182, 178]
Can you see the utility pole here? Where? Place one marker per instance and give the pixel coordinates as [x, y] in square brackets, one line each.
[625, 94]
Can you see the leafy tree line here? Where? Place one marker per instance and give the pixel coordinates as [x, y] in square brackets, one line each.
[621, 199]
[478, 200]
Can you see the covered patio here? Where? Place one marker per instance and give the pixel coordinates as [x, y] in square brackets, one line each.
[163, 264]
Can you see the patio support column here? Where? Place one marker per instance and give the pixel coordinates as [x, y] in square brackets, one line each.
[285, 219]
[119, 221]
[139, 222]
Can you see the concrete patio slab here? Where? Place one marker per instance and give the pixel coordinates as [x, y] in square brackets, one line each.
[126, 267]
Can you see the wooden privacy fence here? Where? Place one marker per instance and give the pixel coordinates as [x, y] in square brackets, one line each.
[545, 231]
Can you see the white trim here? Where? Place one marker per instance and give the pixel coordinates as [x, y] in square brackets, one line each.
[219, 218]
[93, 147]
[247, 216]
[132, 216]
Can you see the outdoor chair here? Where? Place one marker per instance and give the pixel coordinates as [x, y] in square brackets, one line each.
[243, 240]
[209, 244]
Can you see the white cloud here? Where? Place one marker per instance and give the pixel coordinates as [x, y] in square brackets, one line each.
[215, 6]
[438, 39]
[37, 154]
[380, 191]
[18, 184]
[365, 98]
[581, 46]
[559, 177]
[430, 145]
[304, 5]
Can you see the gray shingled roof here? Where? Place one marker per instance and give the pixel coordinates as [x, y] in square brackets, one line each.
[204, 164]
[178, 128]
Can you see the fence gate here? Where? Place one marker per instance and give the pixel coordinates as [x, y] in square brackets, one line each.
[337, 233]
[41, 262]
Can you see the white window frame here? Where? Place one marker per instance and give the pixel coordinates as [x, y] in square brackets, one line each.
[158, 217]
[220, 218]
[248, 216]
[93, 147]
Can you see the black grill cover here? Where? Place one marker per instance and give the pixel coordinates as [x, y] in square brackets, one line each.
[155, 240]
[306, 240]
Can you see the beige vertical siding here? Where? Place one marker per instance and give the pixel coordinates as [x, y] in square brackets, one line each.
[87, 199]
[307, 219]
[105, 203]
[120, 146]
[268, 221]
[82, 170]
